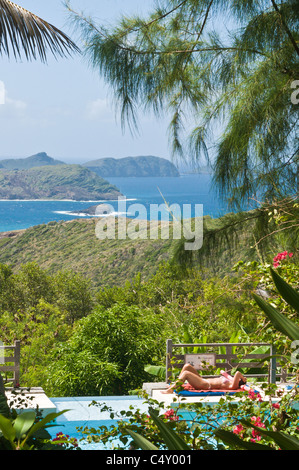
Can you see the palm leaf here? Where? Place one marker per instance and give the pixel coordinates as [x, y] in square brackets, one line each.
[22, 31]
[141, 441]
[290, 295]
[280, 321]
[172, 440]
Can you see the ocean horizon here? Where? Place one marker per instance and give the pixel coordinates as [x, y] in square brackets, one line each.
[189, 190]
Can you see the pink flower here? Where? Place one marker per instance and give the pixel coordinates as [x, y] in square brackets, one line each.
[256, 435]
[279, 257]
[254, 396]
[170, 414]
[276, 405]
[238, 430]
[256, 420]
[65, 438]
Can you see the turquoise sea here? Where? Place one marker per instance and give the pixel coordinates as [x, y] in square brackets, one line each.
[186, 189]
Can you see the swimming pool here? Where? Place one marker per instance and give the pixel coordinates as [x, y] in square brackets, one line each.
[81, 414]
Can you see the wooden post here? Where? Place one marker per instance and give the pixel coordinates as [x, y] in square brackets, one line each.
[168, 357]
[2, 388]
[17, 363]
[272, 371]
[228, 349]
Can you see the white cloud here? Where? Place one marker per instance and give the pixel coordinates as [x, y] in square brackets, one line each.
[2, 92]
[99, 110]
[10, 108]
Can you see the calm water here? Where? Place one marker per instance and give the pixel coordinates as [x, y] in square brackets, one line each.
[81, 415]
[189, 189]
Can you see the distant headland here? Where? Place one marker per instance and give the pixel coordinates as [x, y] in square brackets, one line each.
[43, 177]
[142, 166]
[52, 180]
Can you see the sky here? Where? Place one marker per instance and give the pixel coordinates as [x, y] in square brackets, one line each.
[63, 107]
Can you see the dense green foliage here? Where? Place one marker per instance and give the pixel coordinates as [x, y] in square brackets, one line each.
[55, 182]
[133, 166]
[78, 340]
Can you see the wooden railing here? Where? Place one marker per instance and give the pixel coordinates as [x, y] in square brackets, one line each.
[10, 363]
[236, 355]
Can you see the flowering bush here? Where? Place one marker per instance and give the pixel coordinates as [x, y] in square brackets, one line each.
[65, 441]
[171, 415]
[280, 257]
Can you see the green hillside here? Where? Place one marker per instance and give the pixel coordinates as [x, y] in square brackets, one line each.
[142, 166]
[55, 182]
[74, 246]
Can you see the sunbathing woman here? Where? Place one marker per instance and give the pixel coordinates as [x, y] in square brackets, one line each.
[200, 383]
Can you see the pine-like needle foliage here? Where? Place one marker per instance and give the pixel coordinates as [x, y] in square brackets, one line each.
[228, 65]
[257, 235]
[23, 32]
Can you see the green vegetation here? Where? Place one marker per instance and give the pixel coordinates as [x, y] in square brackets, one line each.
[55, 316]
[272, 423]
[75, 245]
[55, 182]
[133, 166]
[93, 315]
[80, 341]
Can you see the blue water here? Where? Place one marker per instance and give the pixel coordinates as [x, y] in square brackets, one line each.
[81, 414]
[189, 189]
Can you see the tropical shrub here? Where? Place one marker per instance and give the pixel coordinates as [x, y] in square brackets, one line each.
[118, 341]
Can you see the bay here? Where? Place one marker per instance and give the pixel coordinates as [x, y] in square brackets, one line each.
[146, 192]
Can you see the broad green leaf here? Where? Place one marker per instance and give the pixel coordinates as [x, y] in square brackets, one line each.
[7, 428]
[23, 423]
[141, 441]
[280, 321]
[4, 408]
[158, 371]
[284, 441]
[172, 440]
[41, 424]
[290, 295]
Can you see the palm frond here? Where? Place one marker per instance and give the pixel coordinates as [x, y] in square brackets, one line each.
[23, 32]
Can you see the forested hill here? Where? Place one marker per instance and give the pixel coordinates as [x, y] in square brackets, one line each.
[133, 166]
[55, 182]
[74, 246]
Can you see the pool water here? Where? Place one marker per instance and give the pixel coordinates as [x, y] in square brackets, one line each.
[81, 414]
